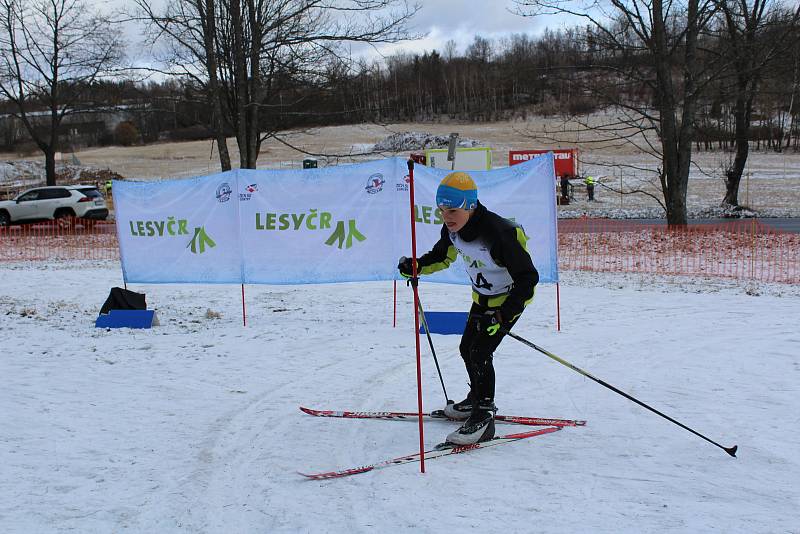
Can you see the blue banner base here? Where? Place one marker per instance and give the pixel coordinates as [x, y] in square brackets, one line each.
[445, 322]
[126, 319]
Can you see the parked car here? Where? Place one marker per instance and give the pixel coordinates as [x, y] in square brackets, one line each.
[54, 202]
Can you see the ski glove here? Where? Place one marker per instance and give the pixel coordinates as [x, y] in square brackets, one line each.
[405, 267]
[490, 322]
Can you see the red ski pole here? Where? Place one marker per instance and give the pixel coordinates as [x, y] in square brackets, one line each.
[414, 282]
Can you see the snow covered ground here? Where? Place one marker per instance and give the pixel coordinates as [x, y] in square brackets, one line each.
[193, 426]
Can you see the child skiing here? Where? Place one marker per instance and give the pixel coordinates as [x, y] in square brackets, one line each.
[503, 281]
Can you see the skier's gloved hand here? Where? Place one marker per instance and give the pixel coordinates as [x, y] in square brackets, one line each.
[490, 322]
[405, 267]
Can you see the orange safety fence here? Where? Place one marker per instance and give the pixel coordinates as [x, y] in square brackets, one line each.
[743, 249]
[62, 239]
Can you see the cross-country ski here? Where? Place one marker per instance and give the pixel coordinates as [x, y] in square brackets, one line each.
[438, 414]
[443, 449]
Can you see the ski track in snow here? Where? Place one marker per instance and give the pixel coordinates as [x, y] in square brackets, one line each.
[194, 426]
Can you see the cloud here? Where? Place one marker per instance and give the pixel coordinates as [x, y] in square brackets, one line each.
[461, 20]
[438, 21]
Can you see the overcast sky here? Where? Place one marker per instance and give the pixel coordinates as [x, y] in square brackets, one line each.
[439, 21]
[461, 20]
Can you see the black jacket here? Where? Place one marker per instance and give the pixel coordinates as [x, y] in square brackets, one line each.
[507, 247]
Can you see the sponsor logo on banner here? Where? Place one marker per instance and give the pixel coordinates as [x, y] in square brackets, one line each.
[565, 159]
[248, 192]
[171, 227]
[527, 156]
[224, 192]
[375, 183]
[428, 214]
[200, 241]
[404, 185]
[344, 232]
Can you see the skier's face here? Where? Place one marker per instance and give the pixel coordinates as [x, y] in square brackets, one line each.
[455, 218]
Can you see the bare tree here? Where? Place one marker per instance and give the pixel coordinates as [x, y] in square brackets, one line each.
[52, 52]
[754, 33]
[480, 49]
[652, 44]
[450, 50]
[261, 48]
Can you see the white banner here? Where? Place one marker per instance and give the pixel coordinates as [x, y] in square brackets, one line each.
[179, 230]
[319, 225]
[524, 193]
[337, 224]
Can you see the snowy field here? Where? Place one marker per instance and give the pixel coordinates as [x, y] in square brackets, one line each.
[193, 426]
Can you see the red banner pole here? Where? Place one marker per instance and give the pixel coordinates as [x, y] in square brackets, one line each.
[416, 314]
[244, 311]
[558, 308]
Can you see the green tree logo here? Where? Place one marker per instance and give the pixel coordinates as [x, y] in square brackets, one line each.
[345, 238]
[200, 240]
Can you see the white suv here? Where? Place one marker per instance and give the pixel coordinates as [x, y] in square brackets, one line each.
[54, 202]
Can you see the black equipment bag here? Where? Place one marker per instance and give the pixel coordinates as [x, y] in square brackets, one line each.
[122, 299]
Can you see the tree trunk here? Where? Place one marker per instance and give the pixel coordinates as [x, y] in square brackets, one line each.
[743, 110]
[219, 133]
[675, 154]
[686, 130]
[50, 164]
[795, 82]
[254, 88]
[240, 84]
[238, 81]
[214, 94]
[675, 177]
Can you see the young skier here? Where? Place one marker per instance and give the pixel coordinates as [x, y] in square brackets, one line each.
[503, 281]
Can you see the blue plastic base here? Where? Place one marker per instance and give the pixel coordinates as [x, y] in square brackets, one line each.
[445, 322]
[126, 319]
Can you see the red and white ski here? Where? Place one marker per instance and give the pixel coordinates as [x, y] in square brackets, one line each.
[528, 421]
[444, 449]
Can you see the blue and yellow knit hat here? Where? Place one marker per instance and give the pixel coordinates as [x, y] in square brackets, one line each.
[457, 190]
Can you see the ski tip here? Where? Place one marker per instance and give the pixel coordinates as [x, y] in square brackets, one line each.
[337, 474]
[731, 450]
[307, 410]
[532, 433]
[319, 476]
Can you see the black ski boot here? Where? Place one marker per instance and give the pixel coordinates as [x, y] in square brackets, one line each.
[478, 427]
[459, 411]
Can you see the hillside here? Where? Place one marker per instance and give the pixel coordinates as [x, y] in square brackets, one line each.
[773, 188]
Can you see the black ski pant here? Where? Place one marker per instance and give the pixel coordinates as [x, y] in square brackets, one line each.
[477, 349]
